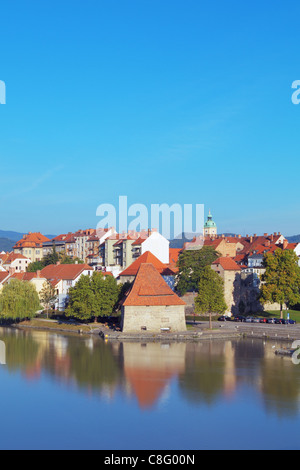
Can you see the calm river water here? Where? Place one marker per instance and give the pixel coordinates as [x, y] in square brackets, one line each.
[70, 392]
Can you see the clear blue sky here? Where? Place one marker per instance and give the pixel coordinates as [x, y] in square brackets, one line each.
[165, 101]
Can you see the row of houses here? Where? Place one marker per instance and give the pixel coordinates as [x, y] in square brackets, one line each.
[103, 249]
[134, 257]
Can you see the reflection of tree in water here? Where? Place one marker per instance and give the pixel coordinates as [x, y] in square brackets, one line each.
[280, 384]
[92, 368]
[21, 349]
[203, 379]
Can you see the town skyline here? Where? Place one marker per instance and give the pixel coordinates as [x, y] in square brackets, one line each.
[124, 108]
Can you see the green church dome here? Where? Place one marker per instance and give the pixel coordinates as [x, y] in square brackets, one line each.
[210, 223]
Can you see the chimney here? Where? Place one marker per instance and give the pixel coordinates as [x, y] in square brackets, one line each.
[240, 236]
[275, 234]
[251, 239]
[255, 235]
[38, 274]
[285, 244]
[279, 234]
[11, 271]
[272, 238]
[265, 234]
[58, 263]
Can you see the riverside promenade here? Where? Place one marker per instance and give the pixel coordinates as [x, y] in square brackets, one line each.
[200, 331]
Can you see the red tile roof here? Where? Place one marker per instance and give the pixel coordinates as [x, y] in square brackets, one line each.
[147, 257]
[228, 264]
[31, 240]
[12, 257]
[149, 289]
[3, 276]
[24, 276]
[64, 271]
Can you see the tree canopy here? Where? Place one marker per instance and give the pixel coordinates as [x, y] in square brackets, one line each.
[191, 264]
[18, 300]
[93, 296]
[281, 280]
[52, 258]
[210, 297]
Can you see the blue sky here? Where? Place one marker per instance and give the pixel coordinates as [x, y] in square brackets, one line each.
[164, 101]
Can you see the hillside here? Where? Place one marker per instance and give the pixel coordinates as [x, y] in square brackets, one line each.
[294, 239]
[8, 239]
[6, 244]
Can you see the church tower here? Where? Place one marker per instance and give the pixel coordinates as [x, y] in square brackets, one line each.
[210, 227]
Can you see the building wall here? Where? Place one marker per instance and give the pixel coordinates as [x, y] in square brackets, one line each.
[232, 288]
[153, 318]
[158, 246]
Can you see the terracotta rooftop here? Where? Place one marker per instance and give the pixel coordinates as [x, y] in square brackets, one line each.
[64, 271]
[228, 264]
[149, 289]
[147, 257]
[31, 240]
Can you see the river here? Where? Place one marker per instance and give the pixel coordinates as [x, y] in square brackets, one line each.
[75, 392]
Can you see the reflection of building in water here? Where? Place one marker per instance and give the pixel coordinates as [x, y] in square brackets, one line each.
[150, 367]
[230, 379]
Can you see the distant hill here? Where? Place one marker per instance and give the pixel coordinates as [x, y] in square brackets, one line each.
[294, 239]
[8, 239]
[6, 244]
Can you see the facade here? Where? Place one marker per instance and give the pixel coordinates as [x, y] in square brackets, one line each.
[230, 272]
[151, 305]
[59, 243]
[15, 262]
[63, 277]
[31, 246]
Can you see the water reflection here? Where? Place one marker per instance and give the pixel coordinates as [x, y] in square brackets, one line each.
[205, 372]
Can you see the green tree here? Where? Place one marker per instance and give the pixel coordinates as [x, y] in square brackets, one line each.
[48, 295]
[106, 292]
[19, 300]
[51, 258]
[281, 280]
[35, 266]
[210, 297]
[190, 264]
[92, 297]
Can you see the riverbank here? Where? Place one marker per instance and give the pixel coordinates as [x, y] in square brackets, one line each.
[198, 331]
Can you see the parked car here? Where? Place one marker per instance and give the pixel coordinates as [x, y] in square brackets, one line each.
[224, 318]
[277, 321]
[263, 320]
[292, 322]
[256, 320]
[271, 320]
[239, 318]
[249, 320]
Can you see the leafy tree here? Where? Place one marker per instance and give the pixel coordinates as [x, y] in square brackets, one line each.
[281, 280]
[190, 264]
[51, 258]
[64, 259]
[48, 295]
[35, 266]
[19, 300]
[210, 297]
[93, 296]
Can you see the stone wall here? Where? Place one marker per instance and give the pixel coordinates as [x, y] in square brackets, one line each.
[153, 318]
